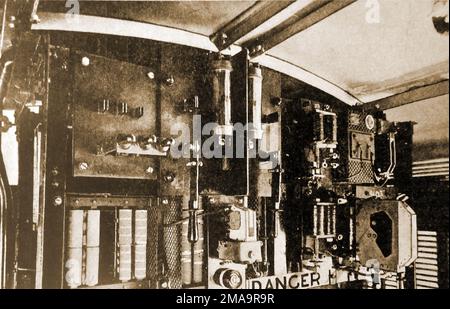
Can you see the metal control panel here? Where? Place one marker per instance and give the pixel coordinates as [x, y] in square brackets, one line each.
[114, 119]
[357, 146]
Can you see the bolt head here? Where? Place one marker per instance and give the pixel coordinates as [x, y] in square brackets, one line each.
[85, 61]
[164, 285]
[57, 201]
[83, 166]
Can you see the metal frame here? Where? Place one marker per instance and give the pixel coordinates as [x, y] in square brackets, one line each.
[308, 15]
[410, 96]
[6, 253]
[246, 22]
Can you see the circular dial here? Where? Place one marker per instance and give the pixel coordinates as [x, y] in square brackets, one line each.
[370, 122]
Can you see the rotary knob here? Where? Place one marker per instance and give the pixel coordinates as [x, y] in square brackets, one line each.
[147, 142]
[228, 278]
[126, 141]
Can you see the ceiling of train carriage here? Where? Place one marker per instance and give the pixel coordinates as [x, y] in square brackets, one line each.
[369, 49]
[372, 58]
[203, 17]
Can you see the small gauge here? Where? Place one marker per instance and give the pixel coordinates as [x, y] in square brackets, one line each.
[370, 122]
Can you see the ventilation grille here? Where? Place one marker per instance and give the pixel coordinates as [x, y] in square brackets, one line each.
[392, 283]
[426, 265]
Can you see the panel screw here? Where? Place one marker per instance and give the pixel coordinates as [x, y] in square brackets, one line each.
[83, 166]
[55, 171]
[85, 61]
[58, 201]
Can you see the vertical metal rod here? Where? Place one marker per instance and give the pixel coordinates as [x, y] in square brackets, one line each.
[3, 225]
[193, 205]
[265, 240]
[351, 233]
[2, 38]
[38, 206]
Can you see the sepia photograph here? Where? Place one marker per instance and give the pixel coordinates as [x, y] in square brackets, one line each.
[243, 147]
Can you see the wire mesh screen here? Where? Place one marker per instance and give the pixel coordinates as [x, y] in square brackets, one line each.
[171, 212]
